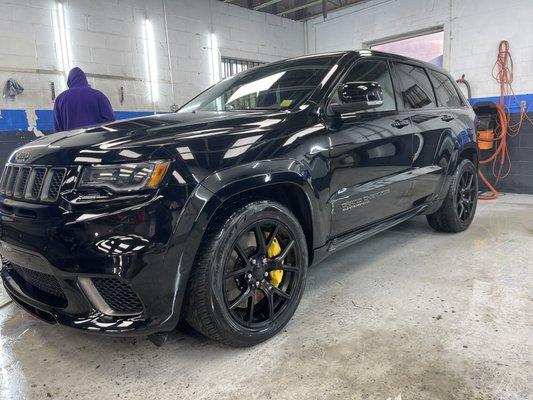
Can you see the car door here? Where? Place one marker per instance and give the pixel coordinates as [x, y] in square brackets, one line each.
[434, 127]
[370, 153]
[417, 101]
[454, 123]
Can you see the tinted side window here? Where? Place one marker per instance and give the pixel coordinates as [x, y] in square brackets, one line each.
[446, 93]
[375, 71]
[416, 90]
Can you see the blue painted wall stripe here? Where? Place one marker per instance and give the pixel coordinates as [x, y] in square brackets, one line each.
[13, 120]
[45, 120]
[17, 120]
[513, 103]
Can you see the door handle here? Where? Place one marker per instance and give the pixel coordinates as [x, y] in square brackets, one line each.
[400, 123]
[447, 118]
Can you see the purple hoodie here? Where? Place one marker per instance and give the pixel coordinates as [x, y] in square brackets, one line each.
[80, 105]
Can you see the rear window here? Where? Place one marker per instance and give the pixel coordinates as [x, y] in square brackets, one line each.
[416, 89]
[447, 95]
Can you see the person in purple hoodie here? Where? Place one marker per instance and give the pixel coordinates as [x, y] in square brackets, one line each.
[80, 105]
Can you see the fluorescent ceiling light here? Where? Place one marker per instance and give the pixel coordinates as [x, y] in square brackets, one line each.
[151, 61]
[215, 58]
[62, 39]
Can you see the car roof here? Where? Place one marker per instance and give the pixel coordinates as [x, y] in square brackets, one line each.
[369, 52]
[397, 57]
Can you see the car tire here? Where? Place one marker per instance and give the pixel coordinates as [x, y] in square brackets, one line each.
[459, 206]
[230, 263]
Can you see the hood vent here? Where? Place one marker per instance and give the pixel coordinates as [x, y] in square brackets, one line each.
[40, 184]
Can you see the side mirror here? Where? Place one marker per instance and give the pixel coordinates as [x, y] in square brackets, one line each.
[357, 96]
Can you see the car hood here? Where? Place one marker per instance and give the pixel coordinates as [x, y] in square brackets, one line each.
[176, 135]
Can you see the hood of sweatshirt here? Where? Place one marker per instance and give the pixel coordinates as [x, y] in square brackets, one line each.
[77, 78]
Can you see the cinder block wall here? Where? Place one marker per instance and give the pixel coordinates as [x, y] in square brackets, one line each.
[472, 32]
[108, 37]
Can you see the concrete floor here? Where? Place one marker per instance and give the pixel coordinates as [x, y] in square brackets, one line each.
[409, 314]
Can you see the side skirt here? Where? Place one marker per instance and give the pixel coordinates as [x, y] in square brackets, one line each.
[365, 232]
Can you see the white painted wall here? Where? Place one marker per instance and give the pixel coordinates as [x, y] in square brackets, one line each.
[108, 37]
[472, 28]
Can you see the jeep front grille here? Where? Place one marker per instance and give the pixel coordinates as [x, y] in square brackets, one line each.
[32, 182]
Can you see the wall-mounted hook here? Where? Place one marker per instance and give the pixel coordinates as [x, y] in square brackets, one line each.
[53, 90]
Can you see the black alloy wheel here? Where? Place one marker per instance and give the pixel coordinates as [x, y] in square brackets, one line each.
[253, 297]
[466, 195]
[459, 206]
[249, 275]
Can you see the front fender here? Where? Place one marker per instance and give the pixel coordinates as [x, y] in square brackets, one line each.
[231, 182]
[210, 195]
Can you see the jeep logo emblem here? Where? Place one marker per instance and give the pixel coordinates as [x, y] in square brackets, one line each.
[22, 156]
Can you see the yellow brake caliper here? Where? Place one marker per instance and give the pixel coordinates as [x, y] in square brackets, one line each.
[273, 251]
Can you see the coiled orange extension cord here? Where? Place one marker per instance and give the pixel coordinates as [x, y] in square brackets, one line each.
[498, 157]
[502, 72]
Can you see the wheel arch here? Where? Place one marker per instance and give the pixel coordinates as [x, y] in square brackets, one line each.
[270, 180]
[471, 153]
[297, 202]
[284, 181]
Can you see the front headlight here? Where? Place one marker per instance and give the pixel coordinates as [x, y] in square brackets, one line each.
[121, 178]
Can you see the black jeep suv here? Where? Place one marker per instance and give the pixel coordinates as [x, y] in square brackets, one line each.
[214, 213]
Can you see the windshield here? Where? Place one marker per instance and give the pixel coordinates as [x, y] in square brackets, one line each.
[276, 86]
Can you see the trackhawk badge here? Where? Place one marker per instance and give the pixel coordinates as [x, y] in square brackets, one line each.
[363, 201]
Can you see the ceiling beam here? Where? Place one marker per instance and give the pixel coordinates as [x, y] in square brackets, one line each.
[266, 4]
[302, 7]
[337, 7]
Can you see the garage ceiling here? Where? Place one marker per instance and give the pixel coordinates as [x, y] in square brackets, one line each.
[294, 9]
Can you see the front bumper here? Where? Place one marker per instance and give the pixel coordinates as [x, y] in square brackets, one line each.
[94, 321]
[110, 273]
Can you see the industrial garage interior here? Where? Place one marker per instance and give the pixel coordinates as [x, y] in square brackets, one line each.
[408, 313]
